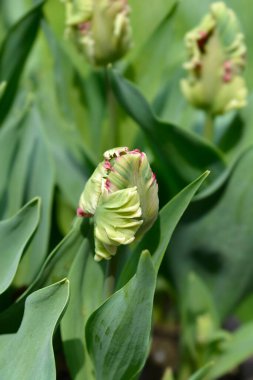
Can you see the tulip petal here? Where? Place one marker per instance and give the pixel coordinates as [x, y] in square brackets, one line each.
[117, 219]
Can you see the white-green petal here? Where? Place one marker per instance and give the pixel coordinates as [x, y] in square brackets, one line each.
[133, 169]
[117, 219]
[92, 191]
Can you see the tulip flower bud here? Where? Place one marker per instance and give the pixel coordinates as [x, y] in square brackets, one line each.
[101, 28]
[217, 55]
[122, 196]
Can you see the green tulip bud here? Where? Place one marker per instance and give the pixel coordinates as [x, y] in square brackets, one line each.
[216, 62]
[101, 28]
[122, 196]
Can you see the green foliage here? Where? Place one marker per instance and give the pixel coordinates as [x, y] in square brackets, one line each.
[179, 155]
[218, 244]
[58, 115]
[158, 238]
[14, 52]
[201, 373]
[234, 351]
[15, 234]
[84, 299]
[30, 349]
[109, 335]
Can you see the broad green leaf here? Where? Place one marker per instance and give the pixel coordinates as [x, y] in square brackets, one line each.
[180, 155]
[156, 39]
[85, 296]
[28, 354]
[56, 267]
[202, 373]
[141, 16]
[82, 100]
[233, 134]
[15, 233]
[39, 176]
[9, 152]
[157, 239]
[117, 334]
[66, 149]
[215, 241]
[61, 125]
[14, 52]
[168, 219]
[59, 261]
[233, 352]
[27, 171]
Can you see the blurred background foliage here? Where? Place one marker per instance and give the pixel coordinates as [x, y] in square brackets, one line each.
[55, 126]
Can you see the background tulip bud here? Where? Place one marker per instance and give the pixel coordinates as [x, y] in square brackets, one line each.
[217, 55]
[101, 28]
[122, 195]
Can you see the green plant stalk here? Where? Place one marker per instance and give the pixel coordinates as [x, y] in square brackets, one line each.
[208, 131]
[110, 275]
[112, 113]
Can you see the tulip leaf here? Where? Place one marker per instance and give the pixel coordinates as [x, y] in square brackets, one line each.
[202, 373]
[27, 171]
[157, 38]
[180, 155]
[84, 299]
[36, 176]
[217, 245]
[168, 219]
[15, 233]
[158, 237]
[55, 267]
[234, 351]
[87, 111]
[14, 52]
[31, 349]
[118, 333]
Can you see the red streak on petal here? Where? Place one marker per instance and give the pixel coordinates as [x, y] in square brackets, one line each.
[83, 214]
[107, 184]
[227, 77]
[107, 165]
[228, 71]
[227, 65]
[135, 151]
[202, 40]
[84, 27]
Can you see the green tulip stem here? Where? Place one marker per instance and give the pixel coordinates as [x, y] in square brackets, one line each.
[110, 277]
[112, 113]
[209, 127]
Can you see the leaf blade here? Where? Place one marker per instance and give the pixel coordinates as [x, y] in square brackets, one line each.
[106, 328]
[34, 360]
[18, 44]
[16, 232]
